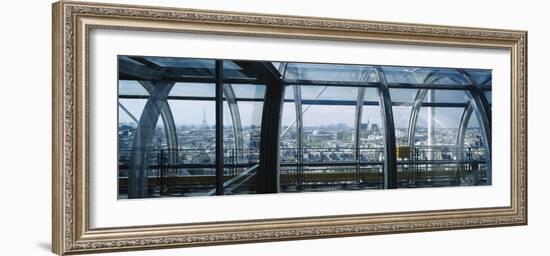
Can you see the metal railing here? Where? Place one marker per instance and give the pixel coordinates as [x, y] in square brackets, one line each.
[189, 172]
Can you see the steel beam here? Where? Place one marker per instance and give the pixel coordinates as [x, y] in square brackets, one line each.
[309, 102]
[267, 177]
[419, 85]
[390, 163]
[330, 83]
[431, 124]
[299, 134]
[219, 127]
[357, 123]
[429, 86]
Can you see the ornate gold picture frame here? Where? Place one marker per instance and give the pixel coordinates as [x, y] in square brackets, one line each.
[73, 22]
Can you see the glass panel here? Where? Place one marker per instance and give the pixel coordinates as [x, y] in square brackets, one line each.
[172, 171]
[401, 116]
[196, 151]
[193, 90]
[448, 78]
[431, 161]
[371, 134]
[403, 95]
[129, 87]
[474, 155]
[402, 75]
[437, 126]
[249, 91]
[408, 96]
[444, 76]
[184, 67]
[371, 95]
[415, 75]
[134, 107]
[327, 127]
[177, 153]
[129, 112]
[183, 62]
[329, 93]
[489, 97]
[241, 139]
[289, 93]
[329, 150]
[447, 96]
[328, 138]
[330, 72]
[473, 140]
[371, 148]
[402, 100]
[480, 76]
[435, 159]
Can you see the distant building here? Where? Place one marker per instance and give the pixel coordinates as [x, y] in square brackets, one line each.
[478, 141]
[318, 135]
[374, 127]
[341, 135]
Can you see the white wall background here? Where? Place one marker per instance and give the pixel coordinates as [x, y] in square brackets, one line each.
[25, 140]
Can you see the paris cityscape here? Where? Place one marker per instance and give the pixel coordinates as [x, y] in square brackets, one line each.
[185, 128]
[198, 141]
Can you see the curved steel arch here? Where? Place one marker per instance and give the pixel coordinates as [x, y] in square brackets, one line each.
[358, 119]
[390, 154]
[166, 115]
[235, 119]
[357, 124]
[137, 175]
[419, 98]
[363, 77]
[169, 125]
[464, 121]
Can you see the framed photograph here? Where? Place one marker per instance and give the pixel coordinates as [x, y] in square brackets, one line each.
[179, 127]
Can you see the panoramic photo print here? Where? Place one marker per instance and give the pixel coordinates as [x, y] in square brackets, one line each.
[205, 127]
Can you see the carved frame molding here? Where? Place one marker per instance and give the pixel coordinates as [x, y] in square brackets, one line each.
[72, 22]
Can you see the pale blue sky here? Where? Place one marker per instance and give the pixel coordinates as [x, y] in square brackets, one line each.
[187, 112]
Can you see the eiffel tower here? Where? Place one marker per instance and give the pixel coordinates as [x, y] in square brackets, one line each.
[204, 124]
